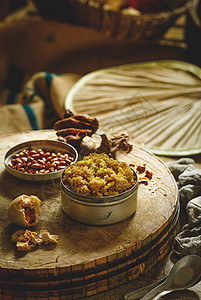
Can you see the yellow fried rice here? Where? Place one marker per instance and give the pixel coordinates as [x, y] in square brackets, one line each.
[98, 175]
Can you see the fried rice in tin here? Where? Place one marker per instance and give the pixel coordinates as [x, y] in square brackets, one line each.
[98, 175]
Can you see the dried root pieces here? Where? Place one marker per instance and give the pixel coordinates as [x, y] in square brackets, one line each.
[106, 145]
[95, 144]
[121, 142]
[78, 130]
[73, 128]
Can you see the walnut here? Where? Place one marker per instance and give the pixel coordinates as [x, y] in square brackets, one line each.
[24, 239]
[24, 210]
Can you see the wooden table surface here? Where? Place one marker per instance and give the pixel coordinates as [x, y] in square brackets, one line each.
[160, 270]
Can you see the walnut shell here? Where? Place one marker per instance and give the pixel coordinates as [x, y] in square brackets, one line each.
[24, 210]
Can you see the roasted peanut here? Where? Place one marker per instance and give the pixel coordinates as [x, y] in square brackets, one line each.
[40, 161]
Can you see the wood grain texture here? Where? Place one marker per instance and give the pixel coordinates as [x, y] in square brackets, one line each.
[88, 259]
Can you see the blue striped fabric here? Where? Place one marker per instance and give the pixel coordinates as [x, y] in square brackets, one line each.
[31, 116]
[32, 96]
[48, 78]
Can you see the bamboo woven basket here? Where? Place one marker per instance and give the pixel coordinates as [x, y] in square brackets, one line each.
[126, 26]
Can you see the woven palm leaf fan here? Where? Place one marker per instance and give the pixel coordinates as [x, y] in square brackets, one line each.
[157, 103]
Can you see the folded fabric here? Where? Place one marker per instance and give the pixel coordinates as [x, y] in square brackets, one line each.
[188, 178]
[188, 241]
[37, 105]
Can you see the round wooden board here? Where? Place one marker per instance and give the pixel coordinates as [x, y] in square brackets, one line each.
[87, 259]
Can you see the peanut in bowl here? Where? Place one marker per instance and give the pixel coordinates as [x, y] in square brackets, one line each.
[99, 190]
[21, 161]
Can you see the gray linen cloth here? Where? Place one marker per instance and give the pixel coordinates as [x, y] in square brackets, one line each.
[188, 179]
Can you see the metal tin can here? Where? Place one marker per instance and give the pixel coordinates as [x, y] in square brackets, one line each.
[105, 210]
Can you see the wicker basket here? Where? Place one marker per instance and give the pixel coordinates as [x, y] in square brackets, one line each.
[142, 27]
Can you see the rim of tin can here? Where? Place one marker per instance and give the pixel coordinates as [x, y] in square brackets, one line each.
[100, 200]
